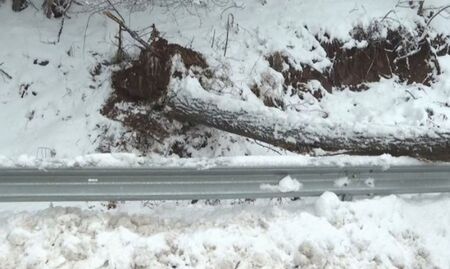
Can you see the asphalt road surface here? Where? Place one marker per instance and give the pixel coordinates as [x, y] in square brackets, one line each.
[101, 184]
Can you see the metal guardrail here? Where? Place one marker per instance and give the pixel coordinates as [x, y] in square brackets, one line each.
[215, 183]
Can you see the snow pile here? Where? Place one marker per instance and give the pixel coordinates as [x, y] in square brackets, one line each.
[389, 232]
[286, 184]
[342, 182]
[132, 160]
[345, 181]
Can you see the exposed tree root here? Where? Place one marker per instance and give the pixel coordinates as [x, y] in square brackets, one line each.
[155, 81]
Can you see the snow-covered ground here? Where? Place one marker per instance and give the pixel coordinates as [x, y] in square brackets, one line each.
[51, 105]
[50, 117]
[388, 232]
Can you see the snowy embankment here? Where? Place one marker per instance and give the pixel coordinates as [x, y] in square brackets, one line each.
[389, 232]
[130, 160]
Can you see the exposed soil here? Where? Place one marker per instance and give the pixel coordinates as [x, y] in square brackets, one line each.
[147, 77]
[298, 79]
[138, 89]
[398, 54]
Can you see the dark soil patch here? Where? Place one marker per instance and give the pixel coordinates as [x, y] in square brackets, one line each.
[138, 91]
[147, 78]
[398, 54]
[298, 79]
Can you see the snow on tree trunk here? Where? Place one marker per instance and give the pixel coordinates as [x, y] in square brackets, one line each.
[188, 101]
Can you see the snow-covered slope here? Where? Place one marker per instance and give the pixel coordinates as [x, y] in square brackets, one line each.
[48, 103]
[50, 108]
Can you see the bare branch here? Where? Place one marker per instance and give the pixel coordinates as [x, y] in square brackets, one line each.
[132, 33]
[229, 24]
[437, 13]
[5, 73]
[115, 10]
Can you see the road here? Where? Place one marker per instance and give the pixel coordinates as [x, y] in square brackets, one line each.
[101, 184]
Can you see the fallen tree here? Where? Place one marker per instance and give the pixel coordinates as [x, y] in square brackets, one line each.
[167, 76]
[186, 100]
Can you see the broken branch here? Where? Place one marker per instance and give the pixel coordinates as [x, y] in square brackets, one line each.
[5, 73]
[132, 33]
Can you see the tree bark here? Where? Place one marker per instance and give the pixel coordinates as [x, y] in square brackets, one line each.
[188, 101]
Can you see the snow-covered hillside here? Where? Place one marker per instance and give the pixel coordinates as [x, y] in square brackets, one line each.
[50, 107]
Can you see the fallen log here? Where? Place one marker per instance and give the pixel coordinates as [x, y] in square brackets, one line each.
[186, 100]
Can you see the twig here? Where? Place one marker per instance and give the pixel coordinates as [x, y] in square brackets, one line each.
[60, 29]
[33, 5]
[437, 13]
[120, 39]
[267, 147]
[407, 55]
[213, 38]
[132, 33]
[192, 42]
[115, 10]
[228, 31]
[86, 28]
[64, 14]
[230, 7]
[412, 95]
[371, 64]
[121, 22]
[5, 73]
[420, 9]
[387, 14]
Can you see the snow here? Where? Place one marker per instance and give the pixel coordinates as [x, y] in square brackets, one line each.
[130, 160]
[342, 182]
[50, 118]
[286, 184]
[382, 232]
[59, 113]
[370, 182]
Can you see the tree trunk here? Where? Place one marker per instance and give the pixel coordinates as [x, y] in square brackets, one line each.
[188, 101]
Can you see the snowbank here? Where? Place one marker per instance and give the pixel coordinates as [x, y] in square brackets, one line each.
[130, 160]
[389, 232]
